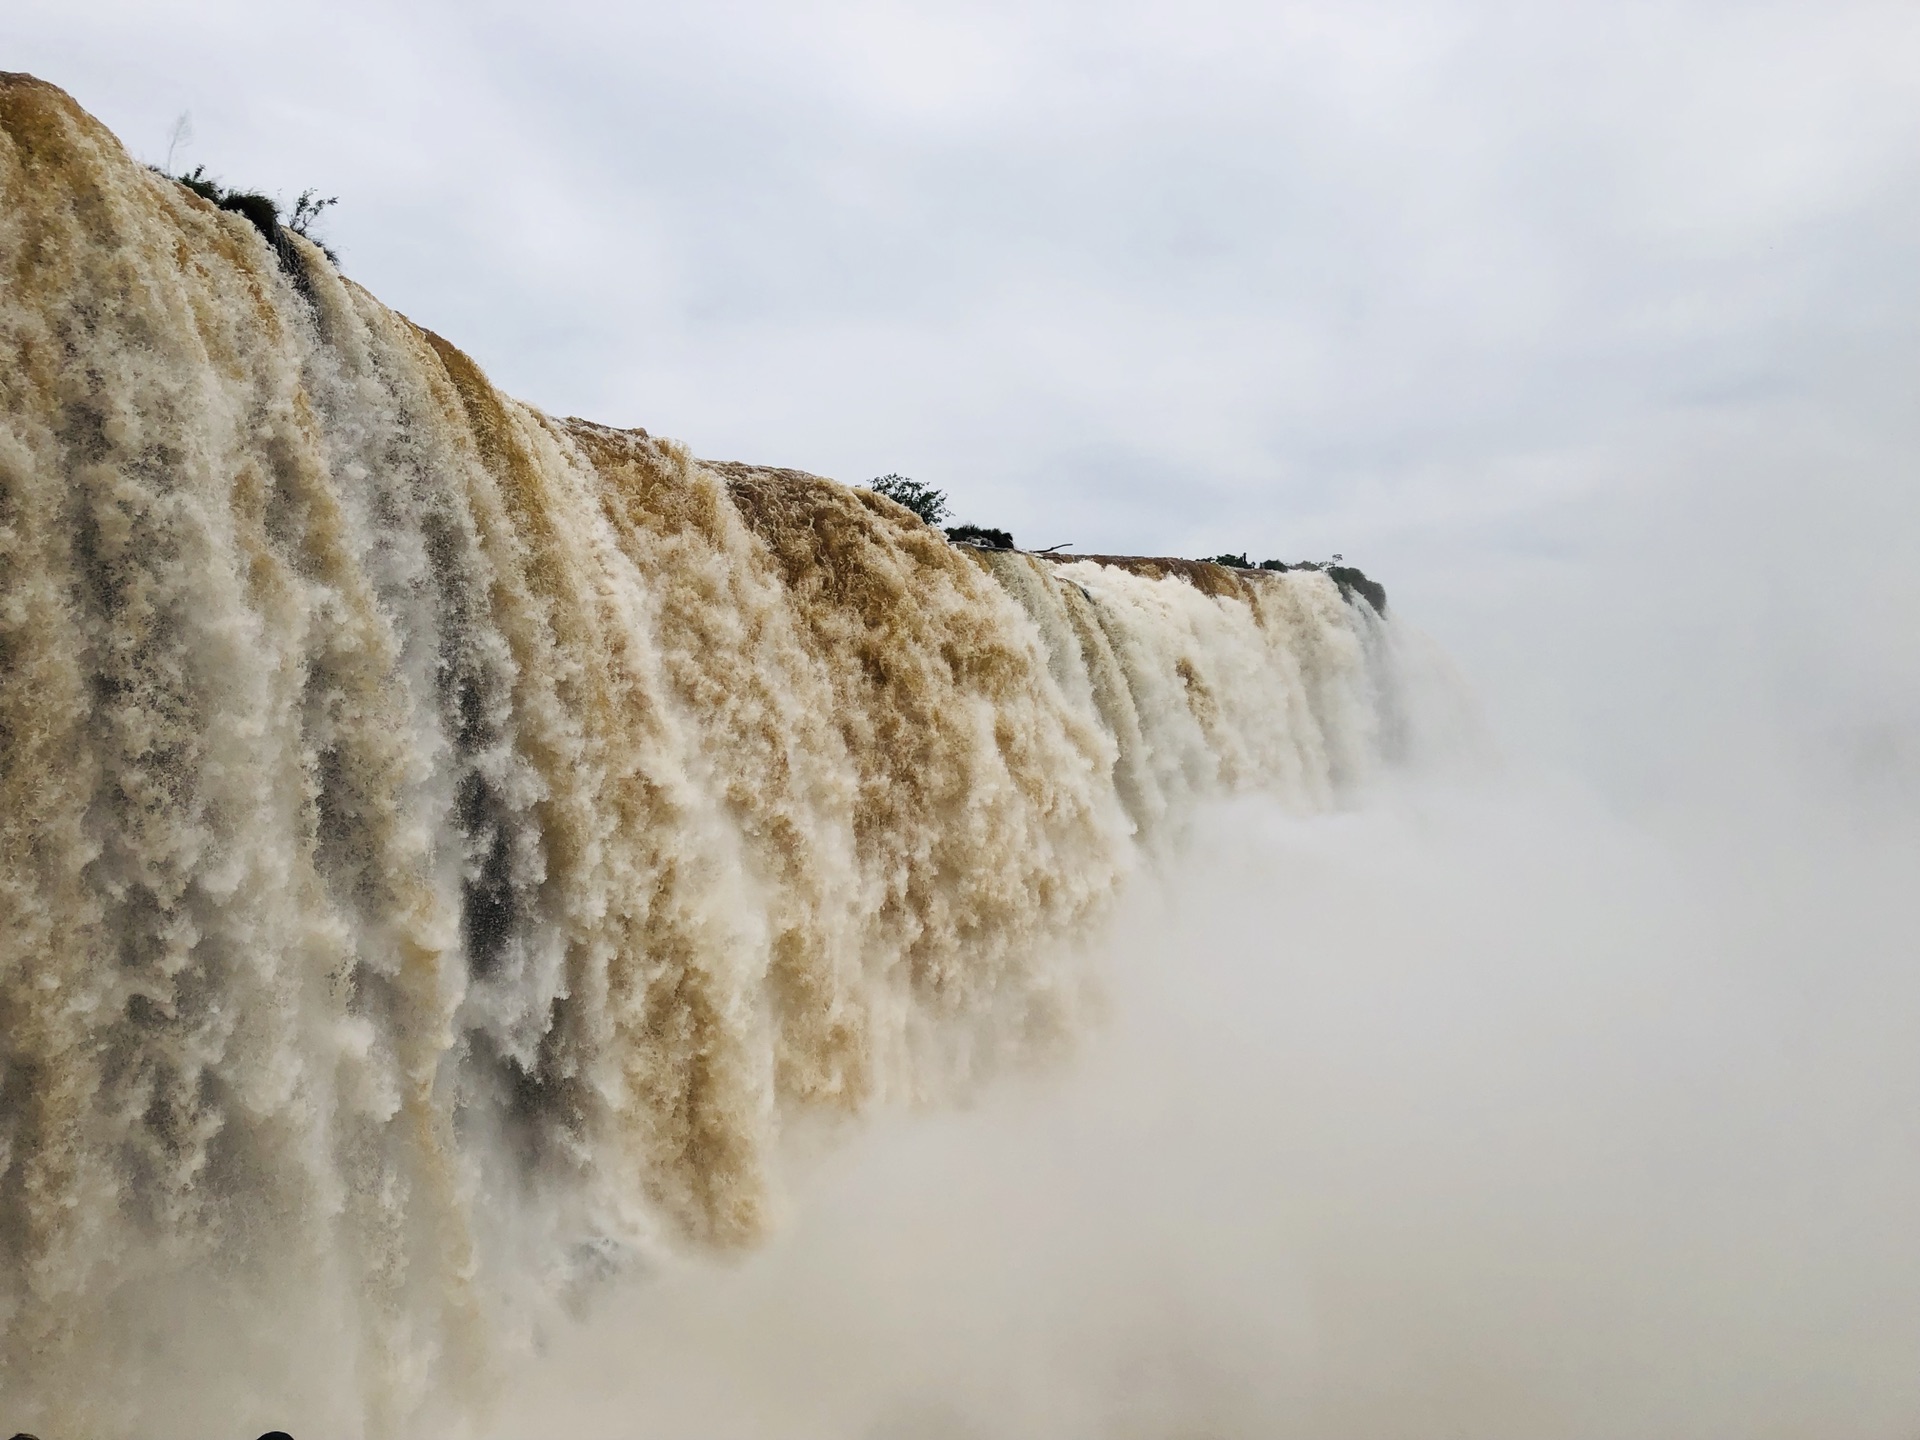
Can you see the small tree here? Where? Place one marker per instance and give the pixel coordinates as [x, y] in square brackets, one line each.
[926, 502]
[307, 209]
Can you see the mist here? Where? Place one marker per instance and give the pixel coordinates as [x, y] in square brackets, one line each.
[1477, 1113]
[1564, 1090]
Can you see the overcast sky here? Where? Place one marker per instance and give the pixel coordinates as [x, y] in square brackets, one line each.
[1588, 327]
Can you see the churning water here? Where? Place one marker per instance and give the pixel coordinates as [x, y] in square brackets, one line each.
[451, 853]
[507, 928]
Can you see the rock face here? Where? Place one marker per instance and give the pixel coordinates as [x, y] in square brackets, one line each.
[444, 846]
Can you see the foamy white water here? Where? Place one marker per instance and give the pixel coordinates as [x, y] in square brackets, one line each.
[510, 928]
[453, 855]
[1475, 1113]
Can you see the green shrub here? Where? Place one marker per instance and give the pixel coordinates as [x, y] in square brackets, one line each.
[307, 210]
[926, 502]
[263, 213]
[981, 535]
[1351, 579]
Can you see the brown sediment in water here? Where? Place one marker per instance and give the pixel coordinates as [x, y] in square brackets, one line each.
[445, 847]
[1219, 581]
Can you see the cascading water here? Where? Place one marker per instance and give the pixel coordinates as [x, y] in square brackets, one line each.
[444, 848]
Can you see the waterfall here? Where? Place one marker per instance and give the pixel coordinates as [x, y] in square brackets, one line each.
[446, 849]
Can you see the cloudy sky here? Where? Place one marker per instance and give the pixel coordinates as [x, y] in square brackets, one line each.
[1589, 327]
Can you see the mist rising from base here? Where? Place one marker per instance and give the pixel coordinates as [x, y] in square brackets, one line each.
[469, 876]
[1479, 1113]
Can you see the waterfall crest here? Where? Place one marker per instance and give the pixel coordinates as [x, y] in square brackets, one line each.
[445, 847]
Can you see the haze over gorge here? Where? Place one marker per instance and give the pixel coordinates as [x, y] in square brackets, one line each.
[457, 859]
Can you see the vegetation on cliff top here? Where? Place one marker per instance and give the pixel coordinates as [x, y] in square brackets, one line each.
[931, 506]
[264, 214]
[923, 500]
[1350, 578]
[982, 535]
